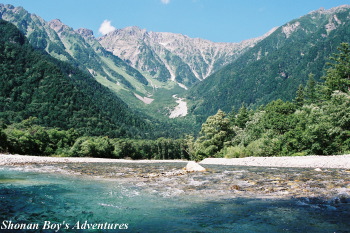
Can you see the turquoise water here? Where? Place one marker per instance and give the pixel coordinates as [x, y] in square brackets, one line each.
[30, 198]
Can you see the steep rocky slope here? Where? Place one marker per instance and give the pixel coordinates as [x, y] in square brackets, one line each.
[146, 69]
[277, 65]
[34, 84]
[80, 48]
[165, 64]
[170, 56]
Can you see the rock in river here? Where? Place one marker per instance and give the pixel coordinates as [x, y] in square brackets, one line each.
[194, 167]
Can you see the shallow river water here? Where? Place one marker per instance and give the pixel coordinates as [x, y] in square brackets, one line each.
[161, 197]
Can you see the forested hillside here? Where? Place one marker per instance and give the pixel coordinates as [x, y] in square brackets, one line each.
[317, 121]
[289, 100]
[167, 63]
[81, 49]
[33, 84]
[275, 67]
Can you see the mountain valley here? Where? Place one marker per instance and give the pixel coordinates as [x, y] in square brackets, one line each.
[147, 65]
[152, 71]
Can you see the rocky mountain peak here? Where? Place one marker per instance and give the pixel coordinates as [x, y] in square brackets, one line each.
[134, 29]
[8, 6]
[13, 8]
[128, 32]
[57, 25]
[86, 33]
[16, 10]
[330, 11]
[172, 56]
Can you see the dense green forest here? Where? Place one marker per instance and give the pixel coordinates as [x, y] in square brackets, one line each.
[34, 84]
[317, 121]
[274, 68]
[29, 138]
[48, 107]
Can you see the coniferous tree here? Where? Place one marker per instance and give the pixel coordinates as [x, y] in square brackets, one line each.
[300, 97]
[242, 116]
[232, 116]
[214, 133]
[310, 90]
[338, 74]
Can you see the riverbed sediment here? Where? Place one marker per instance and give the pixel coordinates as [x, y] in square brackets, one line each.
[8, 159]
[324, 177]
[335, 161]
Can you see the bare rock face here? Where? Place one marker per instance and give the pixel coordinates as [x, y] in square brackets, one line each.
[86, 33]
[185, 60]
[57, 25]
[194, 167]
[290, 28]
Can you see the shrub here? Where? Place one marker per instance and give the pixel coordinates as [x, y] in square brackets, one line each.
[300, 154]
[256, 148]
[92, 147]
[234, 152]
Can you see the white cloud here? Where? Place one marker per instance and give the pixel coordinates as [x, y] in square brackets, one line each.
[165, 1]
[106, 27]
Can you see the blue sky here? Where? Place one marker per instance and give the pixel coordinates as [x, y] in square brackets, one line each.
[216, 20]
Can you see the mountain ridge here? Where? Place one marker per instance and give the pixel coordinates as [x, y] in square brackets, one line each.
[276, 66]
[156, 66]
[56, 94]
[201, 57]
[67, 44]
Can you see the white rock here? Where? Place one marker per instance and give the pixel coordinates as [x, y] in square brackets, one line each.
[194, 167]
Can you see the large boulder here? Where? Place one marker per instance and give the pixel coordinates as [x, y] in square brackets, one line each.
[194, 167]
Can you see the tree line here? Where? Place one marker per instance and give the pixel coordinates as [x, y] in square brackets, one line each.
[29, 138]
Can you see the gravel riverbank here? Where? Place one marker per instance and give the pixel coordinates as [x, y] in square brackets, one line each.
[337, 161]
[7, 159]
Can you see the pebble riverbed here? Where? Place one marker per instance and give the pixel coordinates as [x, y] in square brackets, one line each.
[224, 198]
[169, 179]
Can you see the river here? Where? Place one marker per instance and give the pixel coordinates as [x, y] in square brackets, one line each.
[110, 197]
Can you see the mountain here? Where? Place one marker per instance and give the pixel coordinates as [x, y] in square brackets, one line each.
[153, 71]
[276, 66]
[145, 69]
[34, 84]
[80, 48]
[169, 56]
